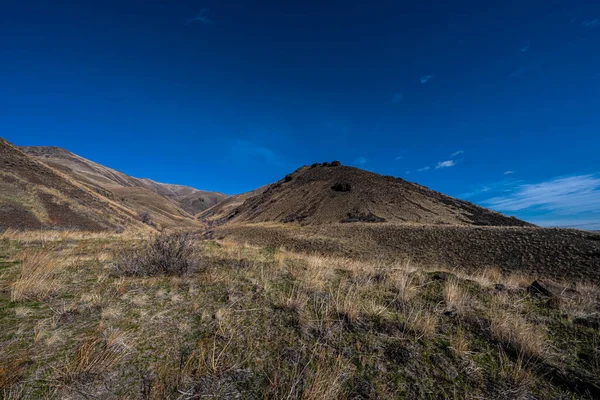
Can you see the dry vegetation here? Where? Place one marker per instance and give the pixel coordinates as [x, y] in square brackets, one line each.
[242, 321]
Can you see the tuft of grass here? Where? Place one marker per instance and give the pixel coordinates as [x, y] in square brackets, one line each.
[95, 356]
[38, 276]
[514, 331]
[455, 296]
[327, 379]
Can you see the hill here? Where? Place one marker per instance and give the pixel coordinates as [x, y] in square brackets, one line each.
[169, 205]
[331, 193]
[35, 196]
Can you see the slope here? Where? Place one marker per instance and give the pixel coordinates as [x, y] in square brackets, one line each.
[331, 193]
[168, 205]
[35, 196]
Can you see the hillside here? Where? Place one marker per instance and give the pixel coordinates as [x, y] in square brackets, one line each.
[169, 205]
[34, 196]
[331, 193]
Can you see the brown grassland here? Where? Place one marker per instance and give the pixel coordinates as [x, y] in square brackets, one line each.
[248, 321]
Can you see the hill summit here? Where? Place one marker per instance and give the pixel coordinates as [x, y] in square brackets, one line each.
[331, 193]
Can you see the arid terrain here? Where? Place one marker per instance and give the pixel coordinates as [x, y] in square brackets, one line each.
[333, 282]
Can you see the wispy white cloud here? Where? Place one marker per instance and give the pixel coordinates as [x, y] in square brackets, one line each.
[202, 17]
[509, 172]
[397, 97]
[360, 161]
[445, 164]
[398, 158]
[570, 195]
[424, 169]
[249, 151]
[457, 153]
[592, 23]
[426, 78]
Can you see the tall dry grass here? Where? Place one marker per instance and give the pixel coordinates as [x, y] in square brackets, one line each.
[39, 276]
[510, 328]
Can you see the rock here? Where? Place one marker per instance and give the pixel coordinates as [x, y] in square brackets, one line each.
[499, 287]
[540, 289]
[341, 187]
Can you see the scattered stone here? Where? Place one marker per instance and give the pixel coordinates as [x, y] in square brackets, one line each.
[539, 289]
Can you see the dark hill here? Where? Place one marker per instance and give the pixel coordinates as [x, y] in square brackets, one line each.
[331, 193]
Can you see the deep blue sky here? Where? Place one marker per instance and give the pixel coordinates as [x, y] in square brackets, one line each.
[229, 96]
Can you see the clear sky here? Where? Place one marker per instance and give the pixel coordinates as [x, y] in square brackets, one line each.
[497, 104]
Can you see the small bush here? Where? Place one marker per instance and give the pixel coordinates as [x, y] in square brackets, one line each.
[341, 187]
[146, 218]
[166, 254]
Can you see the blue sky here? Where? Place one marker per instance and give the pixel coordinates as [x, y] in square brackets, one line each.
[497, 104]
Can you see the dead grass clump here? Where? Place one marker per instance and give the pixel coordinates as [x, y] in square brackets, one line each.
[420, 321]
[403, 283]
[165, 254]
[38, 277]
[93, 357]
[346, 301]
[517, 377]
[512, 330]
[326, 381]
[582, 302]
[455, 296]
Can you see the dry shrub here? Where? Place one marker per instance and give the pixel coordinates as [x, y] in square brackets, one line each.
[38, 277]
[455, 296]
[165, 254]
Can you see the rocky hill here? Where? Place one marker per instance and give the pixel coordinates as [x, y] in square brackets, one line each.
[331, 193]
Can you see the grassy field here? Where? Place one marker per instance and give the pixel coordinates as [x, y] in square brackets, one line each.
[260, 322]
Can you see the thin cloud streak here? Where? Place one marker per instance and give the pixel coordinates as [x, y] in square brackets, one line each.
[424, 169]
[202, 17]
[571, 195]
[591, 23]
[457, 153]
[426, 78]
[445, 164]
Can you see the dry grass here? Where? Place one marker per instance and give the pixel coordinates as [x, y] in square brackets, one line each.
[38, 277]
[455, 296]
[327, 379]
[514, 331]
[94, 356]
[421, 321]
[299, 325]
